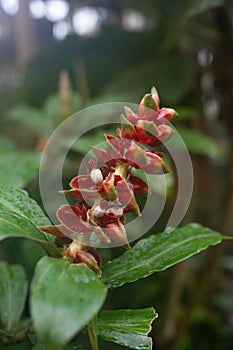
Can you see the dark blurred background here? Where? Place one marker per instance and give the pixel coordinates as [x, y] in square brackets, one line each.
[58, 56]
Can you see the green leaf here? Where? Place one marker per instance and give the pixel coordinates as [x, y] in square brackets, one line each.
[18, 168]
[13, 292]
[32, 119]
[6, 144]
[17, 201]
[4, 333]
[14, 225]
[198, 143]
[64, 298]
[127, 327]
[158, 252]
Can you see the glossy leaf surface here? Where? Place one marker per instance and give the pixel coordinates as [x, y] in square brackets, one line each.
[13, 292]
[64, 297]
[18, 201]
[18, 168]
[159, 252]
[127, 327]
[15, 225]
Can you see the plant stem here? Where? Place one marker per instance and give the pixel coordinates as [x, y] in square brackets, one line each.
[92, 336]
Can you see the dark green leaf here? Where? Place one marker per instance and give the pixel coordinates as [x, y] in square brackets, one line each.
[15, 225]
[4, 333]
[159, 252]
[18, 168]
[127, 327]
[13, 292]
[198, 143]
[18, 201]
[64, 297]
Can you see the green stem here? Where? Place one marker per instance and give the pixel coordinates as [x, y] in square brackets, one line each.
[93, 336]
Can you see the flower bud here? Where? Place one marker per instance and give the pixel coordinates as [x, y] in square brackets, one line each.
[96, 176]
[96, 255]
[89, 260]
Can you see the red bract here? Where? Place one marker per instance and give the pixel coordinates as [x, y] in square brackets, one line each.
[129, 152]
[139, 186]
[83, 188]
[74, 218]
[107, 192]
[149, 126]
[148, 161]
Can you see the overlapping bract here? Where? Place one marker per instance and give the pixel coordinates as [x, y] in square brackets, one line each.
[108, 189]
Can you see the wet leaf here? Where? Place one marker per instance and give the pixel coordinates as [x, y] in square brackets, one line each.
[15, 225]
[13, 292]
[158, 252]
[17, 201]
[64, 298]
[127, 327]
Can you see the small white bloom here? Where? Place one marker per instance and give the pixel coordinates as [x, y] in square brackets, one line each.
[96, 176]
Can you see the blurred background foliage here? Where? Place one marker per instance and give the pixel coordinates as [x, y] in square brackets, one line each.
[59, 56]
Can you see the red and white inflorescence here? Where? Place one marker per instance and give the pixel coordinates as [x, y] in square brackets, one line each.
[108, 189]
